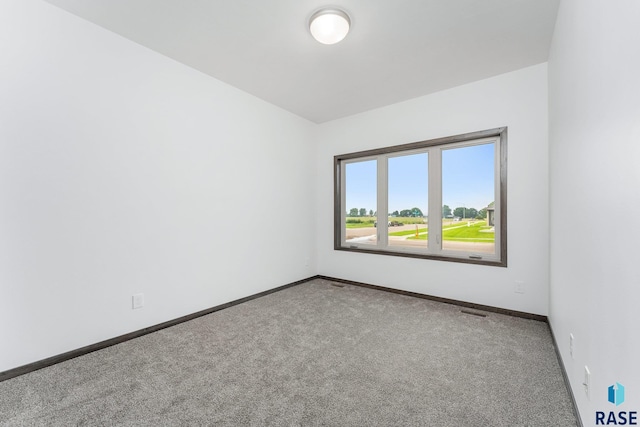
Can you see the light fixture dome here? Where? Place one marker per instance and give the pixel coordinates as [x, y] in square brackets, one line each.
[329, 25]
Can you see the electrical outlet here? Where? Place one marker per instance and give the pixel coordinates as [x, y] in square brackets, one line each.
[571, 340]
[519, 287]
[137, 301]
[587, 382]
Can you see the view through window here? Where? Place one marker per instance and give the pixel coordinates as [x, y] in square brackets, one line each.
[443, 199]
[468, 183]
[361, 193]
[408, 195]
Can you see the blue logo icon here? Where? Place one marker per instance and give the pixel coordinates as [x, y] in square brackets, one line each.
[616, 394]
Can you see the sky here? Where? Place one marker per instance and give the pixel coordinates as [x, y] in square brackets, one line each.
[467, 180]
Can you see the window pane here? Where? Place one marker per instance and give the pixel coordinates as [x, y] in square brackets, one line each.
[468, 195]
[361, 202]
[408, 200]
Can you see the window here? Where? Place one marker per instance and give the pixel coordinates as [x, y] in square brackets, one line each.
[439, 199]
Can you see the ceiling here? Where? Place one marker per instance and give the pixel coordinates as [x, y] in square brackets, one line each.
[396, 50]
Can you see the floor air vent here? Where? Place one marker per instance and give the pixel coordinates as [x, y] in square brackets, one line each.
[473, 313]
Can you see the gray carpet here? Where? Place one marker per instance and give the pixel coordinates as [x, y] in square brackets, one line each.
[313, 354]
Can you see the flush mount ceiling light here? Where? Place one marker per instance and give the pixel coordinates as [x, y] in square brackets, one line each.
[329, 26]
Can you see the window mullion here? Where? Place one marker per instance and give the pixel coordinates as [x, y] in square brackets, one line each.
[435, 201]
[343, 198]
[383, 203]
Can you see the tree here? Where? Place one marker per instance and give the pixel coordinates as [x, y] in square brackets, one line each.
[482, 213]
[460, 212]
[363, 212]
[414, 212]
[353, 212]
[446, 211]
[472, 212]
[371, 212]
[395, 213]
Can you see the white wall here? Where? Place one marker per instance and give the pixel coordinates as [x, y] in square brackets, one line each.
[594, 105]
[517, 100]
[123, 171]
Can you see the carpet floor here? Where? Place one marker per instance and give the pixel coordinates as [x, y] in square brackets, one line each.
[310, 355]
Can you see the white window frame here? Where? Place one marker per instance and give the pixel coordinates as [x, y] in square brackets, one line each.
[434, 149]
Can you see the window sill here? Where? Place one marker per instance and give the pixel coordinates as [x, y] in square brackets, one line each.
[412, 254]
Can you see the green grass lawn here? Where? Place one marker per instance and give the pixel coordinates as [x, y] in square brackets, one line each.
[405, 220]
[408, 232]
[368, 221]
[451, 230]
[459, 231]
[360, 222]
